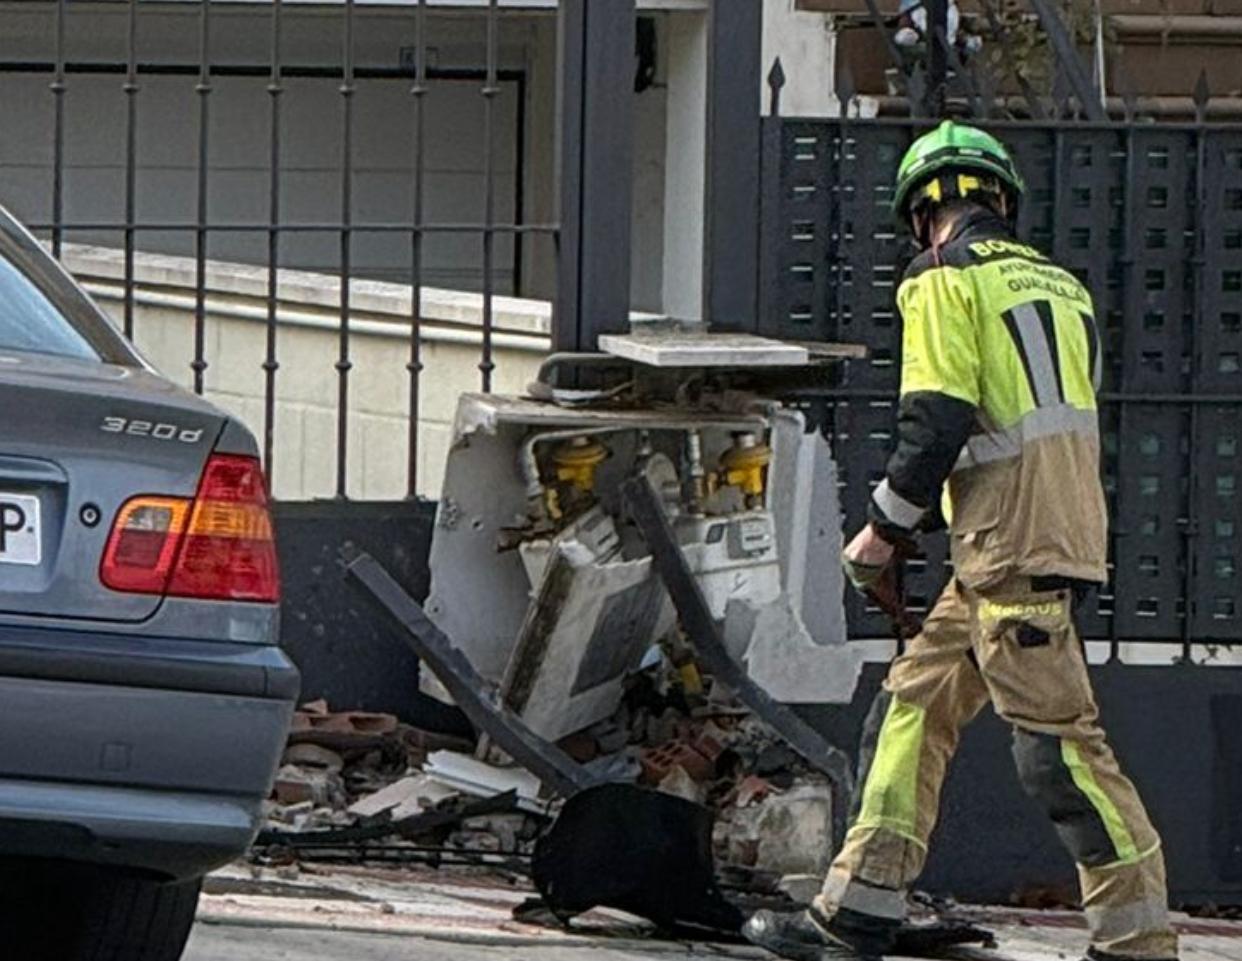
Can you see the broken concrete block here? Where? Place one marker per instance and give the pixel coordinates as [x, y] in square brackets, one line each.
[659, 762]
[680, 784]
[313, 756]
[794, 831]
[288, 813]
[410, 795]
[295, 785]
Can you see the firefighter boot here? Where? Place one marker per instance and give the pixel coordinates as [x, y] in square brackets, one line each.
[800, 936]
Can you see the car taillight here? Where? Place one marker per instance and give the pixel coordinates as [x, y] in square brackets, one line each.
[219, 546]
[143, 546]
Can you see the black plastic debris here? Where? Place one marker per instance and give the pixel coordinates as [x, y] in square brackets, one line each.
[637, 850]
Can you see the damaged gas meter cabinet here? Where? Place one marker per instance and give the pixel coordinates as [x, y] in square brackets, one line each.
[543, 581]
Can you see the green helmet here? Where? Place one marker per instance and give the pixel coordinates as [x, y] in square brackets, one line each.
[960, 149]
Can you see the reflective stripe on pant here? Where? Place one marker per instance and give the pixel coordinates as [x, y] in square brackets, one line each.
[1018, 649]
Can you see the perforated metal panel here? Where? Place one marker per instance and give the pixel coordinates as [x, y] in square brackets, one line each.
[1150, 218]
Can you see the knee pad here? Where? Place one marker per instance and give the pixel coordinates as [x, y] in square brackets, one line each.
[1048, 779]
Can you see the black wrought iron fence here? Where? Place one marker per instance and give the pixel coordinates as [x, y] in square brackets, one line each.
[53, 39]
[1150, 218]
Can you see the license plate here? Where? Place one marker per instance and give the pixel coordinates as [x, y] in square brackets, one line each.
[20, 541]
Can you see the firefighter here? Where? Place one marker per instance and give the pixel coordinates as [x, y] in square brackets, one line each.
[997, 432]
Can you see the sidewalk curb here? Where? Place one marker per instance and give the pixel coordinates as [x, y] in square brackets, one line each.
[492, 938]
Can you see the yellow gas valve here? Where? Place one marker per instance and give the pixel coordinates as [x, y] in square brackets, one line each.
[577, 460]
[743, 464]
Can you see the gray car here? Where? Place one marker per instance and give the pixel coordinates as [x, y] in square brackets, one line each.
[143, 698]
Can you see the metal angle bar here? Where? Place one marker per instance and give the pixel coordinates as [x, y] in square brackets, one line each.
[271, 363]
[1067, 57]
[477, 697]
[696, 619]
[414, 366]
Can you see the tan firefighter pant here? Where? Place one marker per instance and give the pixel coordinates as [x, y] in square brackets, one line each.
[1018, 648]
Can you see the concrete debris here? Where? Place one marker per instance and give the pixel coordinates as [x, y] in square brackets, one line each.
[359, 773]
[789, 832]
[464, 774]
[297, 785]
[679, 783]
[659, 762]
[410, 795]
[312, 755]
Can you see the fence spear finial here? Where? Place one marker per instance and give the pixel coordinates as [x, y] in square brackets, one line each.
[1201, 96]
[845, 89]
[776, 80]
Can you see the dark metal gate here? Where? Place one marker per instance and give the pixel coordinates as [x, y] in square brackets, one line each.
[1150, 218]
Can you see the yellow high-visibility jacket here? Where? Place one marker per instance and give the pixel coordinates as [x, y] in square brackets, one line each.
[1000, 367]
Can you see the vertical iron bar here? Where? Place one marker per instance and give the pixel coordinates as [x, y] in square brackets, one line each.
[343, 363]
[58, 88]
[1198, 265]
[486, 366]
[519, 182]
[131, 163]
[1128, 290]
[937, 63]
[271, 364]
[415, 363]
[203, 89]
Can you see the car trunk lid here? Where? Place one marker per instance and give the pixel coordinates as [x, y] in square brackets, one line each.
[79, 439]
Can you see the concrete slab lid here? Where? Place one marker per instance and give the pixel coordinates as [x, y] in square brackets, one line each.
[695, 349]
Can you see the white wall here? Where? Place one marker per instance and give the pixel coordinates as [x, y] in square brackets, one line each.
[685, 152]
[307, 342]
[806, 45]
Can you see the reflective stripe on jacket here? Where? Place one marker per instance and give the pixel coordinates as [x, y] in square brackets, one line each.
[1000, 366]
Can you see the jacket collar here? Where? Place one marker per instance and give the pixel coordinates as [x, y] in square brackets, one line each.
[978, 223]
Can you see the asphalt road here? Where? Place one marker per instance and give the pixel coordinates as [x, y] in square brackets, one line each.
[211, 942]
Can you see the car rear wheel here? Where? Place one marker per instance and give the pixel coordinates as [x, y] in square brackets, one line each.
[136, 919]
[62, 912]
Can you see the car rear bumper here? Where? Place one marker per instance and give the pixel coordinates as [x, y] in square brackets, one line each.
[168, 833]
[140, 752]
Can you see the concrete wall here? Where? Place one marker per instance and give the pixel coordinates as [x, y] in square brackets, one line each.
[304, 463]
